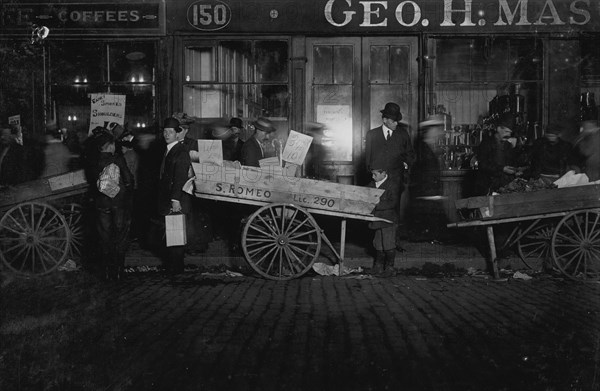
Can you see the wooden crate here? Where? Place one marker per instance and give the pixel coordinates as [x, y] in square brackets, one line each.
[273, 184]
[531, 203]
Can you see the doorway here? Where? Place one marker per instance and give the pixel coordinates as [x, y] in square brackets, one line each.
[349, 81]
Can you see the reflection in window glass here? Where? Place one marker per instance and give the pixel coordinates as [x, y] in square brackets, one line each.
[525, 62]
[199, 64]
[272, 61]
[251, 79]
[342, 64]
[453, 62]
[131, 62]
[489, 59]
[399, 72]
[380, 63]
[74, 62]
[323, 64]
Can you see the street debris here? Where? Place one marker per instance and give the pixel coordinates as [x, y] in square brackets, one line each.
[69, 266]
[334, 270]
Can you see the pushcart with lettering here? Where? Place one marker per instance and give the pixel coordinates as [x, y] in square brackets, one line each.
[559, 226]
[40, 223]
[281, 240]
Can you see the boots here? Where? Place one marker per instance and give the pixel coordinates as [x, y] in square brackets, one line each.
[390, 257]
[378, 263]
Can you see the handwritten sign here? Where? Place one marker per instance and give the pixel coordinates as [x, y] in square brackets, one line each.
[14, 120]
[210, 152]
[106, 110]
[296, 147]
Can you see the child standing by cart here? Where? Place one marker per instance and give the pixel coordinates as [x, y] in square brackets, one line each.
[384, 239]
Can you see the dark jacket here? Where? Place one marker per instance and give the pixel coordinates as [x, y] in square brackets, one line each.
[390, 155]
[174, 174]
[123, 197]
[492, 156]
[550, 159]
[251, 153]
[386, 208]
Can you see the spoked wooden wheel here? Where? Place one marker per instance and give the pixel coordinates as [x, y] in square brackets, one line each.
[73, 214]
[34, 238]
[576, 245]
[281, 241]
[535, 242]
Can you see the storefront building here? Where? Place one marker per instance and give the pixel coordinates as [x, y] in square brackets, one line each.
[335, 62]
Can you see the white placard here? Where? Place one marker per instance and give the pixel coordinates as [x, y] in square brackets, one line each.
[210, 152]
[14, 120]
[107, 109]
[296, 147]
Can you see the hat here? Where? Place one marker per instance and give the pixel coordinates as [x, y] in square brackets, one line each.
[221, 132]
[236, 122]
[102, 138]
[264, 125]
[172, 123]
[552, 131]
[392, 111]
[506, 120]
[432, 120]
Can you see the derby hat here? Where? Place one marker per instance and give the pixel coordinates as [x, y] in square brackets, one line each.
[264, 125]
[172, 123]
[432, 120]
[392, 111]
[236, 123]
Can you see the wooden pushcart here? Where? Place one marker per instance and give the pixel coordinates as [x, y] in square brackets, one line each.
[557, 226]
[40, 223]
[282, 240]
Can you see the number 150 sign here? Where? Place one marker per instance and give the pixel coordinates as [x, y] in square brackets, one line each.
[209, 15]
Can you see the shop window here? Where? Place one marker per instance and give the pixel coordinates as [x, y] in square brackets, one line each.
[78, 69]
[470, 73]
[237, 78]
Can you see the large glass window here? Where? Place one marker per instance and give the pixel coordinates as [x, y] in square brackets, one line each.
[78, 69]
[237, 78]
[471, 75]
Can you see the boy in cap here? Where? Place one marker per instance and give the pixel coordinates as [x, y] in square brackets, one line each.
[384, 240]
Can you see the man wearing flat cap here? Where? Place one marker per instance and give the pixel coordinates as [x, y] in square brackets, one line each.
[252, 151]
[389, 147]
[174, 173]
[229, 135]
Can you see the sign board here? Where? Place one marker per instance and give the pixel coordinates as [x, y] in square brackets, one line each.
[278, 184]
[14, 120]
[85, 18]
[210, 152]
[107, 109]
[384, 16]
[296, 147]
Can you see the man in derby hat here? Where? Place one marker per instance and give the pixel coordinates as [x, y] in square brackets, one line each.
[174, 173]
[389, 147]
[252, 151]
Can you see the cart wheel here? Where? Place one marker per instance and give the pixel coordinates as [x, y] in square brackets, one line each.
[576, 245]
[34, 238]
[73, 214]
[281, 241]
[534, 245]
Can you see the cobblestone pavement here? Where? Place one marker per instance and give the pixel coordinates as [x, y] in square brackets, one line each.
[199, 332]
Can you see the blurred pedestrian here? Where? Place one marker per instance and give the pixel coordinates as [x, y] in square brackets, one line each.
[11, 158]
[57, 156]
[587, 150]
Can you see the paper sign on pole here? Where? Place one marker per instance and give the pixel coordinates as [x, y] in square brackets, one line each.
[296, 147]
[107, 109]
[210, 152]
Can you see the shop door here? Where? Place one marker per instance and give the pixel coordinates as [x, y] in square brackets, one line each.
[350, 80]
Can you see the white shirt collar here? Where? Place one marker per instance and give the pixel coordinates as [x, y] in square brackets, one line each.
[379, 183]
[171, 145]
[385, 131]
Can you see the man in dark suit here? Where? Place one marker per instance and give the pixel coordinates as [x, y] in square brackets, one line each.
[252, 151]
[389, 147]
[174, 173]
